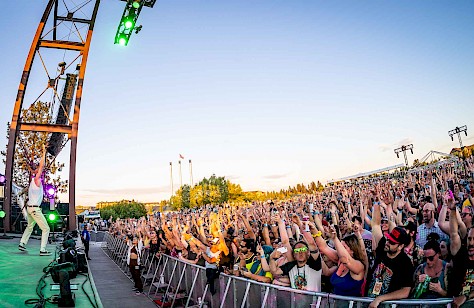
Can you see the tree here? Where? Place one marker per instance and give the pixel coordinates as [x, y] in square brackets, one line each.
[29, 149]
[124, 209]
[182, 198]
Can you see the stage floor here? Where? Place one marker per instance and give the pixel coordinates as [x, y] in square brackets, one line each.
[20, 273]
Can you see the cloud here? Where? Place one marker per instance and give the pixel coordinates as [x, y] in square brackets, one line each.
[385, 147]
[390, 147]
[118, 191]
[275, 176]
[232, 177]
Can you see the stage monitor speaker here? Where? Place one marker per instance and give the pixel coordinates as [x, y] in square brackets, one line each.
[81, 262]
[66, 298]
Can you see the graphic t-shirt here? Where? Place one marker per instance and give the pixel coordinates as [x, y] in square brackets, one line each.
[387, 274]
[462, 278]
[307, 277]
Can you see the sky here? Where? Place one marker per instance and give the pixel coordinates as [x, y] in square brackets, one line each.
[266, 93]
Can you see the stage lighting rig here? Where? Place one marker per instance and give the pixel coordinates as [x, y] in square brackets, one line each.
[403, 149]
[458, 131]
[129, 20]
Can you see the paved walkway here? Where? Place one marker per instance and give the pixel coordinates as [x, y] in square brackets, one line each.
[113, 286]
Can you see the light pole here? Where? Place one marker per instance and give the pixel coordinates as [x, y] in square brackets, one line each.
[404, 149]
[191, 173]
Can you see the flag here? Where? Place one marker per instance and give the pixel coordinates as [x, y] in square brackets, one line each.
[181, 156]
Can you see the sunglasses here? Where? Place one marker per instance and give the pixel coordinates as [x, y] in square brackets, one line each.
[465, 214]
[301, 249]
[430, 258]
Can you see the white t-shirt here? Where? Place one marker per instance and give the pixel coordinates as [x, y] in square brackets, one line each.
[211, 255]
[307, 277]
[35, 193]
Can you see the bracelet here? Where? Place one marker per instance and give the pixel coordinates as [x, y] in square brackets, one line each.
[313, 251]
[288, 227]
[262, 256]
[377, 203]
[265, 225]
[317, 234]
[273, 225]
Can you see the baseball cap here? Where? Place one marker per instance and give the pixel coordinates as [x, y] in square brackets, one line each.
[399, 236]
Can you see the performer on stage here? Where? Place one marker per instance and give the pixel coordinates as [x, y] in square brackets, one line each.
[34, 214]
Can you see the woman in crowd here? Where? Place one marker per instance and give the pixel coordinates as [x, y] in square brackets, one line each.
[445, 253]
[134, 261]
[436, 269]
[351, 260]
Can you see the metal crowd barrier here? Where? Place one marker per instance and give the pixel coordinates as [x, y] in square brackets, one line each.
[176, 283]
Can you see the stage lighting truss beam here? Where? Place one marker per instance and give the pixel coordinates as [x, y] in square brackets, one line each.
[49, 36]
[128, 23]
[147, 3]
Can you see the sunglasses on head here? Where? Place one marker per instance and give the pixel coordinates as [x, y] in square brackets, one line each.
[301, 249]
[431, 258]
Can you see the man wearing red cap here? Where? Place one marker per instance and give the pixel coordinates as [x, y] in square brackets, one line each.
[391, 276]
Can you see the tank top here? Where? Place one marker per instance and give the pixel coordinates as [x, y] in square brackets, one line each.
[35, 193]
[346, 285]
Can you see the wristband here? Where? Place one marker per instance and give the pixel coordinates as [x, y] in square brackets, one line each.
[288, 227]
[313, 251]
[317, 234]
[377, 203]
[265, 225]
[262, 256]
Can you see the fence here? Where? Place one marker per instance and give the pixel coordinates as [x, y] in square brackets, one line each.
[172, 282]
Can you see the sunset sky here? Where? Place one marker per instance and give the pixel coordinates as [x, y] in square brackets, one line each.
[266, 93]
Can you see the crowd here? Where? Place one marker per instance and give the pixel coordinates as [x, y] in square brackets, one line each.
[404, 235]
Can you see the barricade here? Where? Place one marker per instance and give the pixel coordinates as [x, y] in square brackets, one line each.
[177, 283]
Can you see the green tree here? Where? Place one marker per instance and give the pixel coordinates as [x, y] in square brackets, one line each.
[124, 209]
[235, 192]
[182, 198]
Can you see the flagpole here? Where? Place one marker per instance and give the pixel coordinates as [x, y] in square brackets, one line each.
[171, 172]
[180, 174]
[191, 173]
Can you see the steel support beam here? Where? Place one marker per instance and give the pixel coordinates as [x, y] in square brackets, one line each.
[71, 129]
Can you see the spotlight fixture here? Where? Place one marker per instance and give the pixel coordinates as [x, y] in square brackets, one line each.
[50, 191]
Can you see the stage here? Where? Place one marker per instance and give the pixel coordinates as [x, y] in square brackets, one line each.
[20, 273]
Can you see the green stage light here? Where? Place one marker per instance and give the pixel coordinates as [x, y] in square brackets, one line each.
[129, 22]
[136, 4]
[2, 214]
[52, 217]
[122, 40]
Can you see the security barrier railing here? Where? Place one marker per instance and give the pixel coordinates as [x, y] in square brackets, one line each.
[171, 282]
